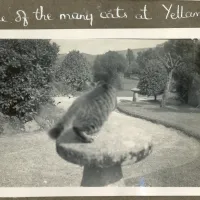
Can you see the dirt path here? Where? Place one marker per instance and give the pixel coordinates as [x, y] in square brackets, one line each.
[30, 160]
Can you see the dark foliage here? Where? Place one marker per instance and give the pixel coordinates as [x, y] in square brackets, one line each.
[75, 71]
[110, 68]
[153, 79]
[25, 73]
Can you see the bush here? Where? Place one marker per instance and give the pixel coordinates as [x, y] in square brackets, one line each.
[152, 79]
[74, 72]
[25, 74]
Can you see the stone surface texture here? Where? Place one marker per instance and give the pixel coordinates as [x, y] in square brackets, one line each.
[115, 144]
[135, 90]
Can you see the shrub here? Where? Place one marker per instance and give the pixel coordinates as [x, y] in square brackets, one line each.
[74, 72]
[152, 79]
[25, 74]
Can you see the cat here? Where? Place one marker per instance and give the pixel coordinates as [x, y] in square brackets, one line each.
[88, 112]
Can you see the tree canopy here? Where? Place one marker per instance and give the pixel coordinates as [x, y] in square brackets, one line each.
[130, 56]
[178, 57]
[153, 78]
[75, 71]
[108, 66]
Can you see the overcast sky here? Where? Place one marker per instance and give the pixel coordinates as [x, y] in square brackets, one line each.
[100, 46]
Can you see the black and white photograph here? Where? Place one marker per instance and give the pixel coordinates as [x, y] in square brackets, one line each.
[99, 113]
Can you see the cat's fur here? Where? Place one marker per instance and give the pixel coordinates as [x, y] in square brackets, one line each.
[88, 112]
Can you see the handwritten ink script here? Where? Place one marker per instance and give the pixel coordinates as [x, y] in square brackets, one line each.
[179, 13]
[169, 12]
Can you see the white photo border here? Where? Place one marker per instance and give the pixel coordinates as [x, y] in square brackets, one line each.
[145, 33]
[97, 191]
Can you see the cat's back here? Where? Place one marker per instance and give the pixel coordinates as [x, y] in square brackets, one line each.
[97, 104]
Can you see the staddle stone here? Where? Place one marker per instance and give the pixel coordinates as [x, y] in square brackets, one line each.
[114, 144]
[136, 90]
[135, 94]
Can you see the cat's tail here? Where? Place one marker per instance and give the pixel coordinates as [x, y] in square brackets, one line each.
[55, 132]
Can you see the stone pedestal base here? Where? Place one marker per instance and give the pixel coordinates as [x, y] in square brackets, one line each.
[135, 97]
[116, 145]
[135, 94]
[101, 177]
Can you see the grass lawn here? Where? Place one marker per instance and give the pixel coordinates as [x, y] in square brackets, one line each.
[183, 118]
[128, 85]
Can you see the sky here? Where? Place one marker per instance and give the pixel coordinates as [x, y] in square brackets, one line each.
[100, 46]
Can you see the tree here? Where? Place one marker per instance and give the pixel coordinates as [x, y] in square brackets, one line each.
[109, 67]
[133, 69]
[153, 79]
[75, 71]
[196, 44]
[170, 65]
[183, 76]
[144, 56]
[130, 56]
[178, 59]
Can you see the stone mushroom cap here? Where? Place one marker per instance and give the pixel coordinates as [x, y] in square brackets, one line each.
[114, 144]
[135, 89]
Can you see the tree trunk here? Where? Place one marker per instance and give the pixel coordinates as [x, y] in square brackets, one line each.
[155, 97]
[121, 75]
[166, 90]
